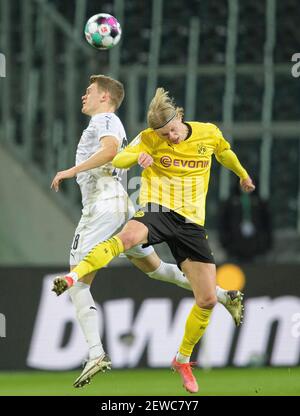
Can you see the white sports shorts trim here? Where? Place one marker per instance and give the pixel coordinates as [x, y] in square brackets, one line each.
[100, 220]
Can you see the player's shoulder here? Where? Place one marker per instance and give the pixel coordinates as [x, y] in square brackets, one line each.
[206, 131]
[203, 126]
[110, 118]
[148, 136]
[141, 137]
[147, 132]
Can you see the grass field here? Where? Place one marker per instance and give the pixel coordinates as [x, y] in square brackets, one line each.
[216, 382]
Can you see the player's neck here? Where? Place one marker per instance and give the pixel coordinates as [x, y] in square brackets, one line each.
[103, 109]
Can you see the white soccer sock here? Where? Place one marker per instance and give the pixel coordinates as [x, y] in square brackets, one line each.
[221, 295]
[182, 359]
[170, 273]
[87, 316]
[73, 275]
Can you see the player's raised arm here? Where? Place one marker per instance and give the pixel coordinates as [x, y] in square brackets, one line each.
[229, 160]
[136, 152]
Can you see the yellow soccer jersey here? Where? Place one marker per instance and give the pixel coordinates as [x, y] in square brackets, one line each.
[179, 176]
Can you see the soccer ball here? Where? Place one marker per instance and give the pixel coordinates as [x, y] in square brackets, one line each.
[103, 31]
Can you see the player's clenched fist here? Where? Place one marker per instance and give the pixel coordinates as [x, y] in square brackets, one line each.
[145, 160]
[247, 185]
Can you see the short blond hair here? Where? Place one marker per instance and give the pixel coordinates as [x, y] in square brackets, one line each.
[114, 87]
[162, 109]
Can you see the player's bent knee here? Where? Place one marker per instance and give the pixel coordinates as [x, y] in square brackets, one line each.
[207, 302]
[129, 239]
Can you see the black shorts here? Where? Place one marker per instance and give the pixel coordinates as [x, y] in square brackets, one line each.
[186, 240]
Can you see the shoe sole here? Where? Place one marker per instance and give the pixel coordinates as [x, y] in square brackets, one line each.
[86, 377]
[59, 286]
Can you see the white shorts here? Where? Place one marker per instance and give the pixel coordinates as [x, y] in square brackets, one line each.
[100, 220]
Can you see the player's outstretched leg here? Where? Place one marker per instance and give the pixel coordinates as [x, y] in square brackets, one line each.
[91, 368]
[97, 258]
[232, 300]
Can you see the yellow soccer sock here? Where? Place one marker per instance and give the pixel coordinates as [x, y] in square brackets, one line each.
[195, 326]
[99, 256]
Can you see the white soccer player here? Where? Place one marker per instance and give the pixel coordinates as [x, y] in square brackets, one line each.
[107, 207]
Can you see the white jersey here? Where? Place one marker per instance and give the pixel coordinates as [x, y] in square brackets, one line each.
[106, 205]
[99, 182]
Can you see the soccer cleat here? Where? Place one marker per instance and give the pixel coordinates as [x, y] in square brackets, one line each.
[234, 305]
[185, 371]
[91, 368]
[61, 284]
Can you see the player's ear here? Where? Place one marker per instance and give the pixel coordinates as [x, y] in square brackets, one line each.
[105, 95]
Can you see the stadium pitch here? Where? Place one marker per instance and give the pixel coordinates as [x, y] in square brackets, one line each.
[136, 382]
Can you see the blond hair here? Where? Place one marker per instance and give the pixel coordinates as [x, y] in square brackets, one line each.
[162, 109]
[114, 87]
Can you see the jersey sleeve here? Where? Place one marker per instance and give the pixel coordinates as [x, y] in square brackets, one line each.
[221, 143]
[108, 126]
[226, 156]
[129, 156]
